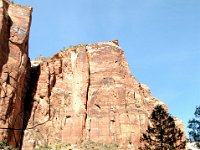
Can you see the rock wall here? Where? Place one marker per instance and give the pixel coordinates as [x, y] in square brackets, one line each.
[14, 69]
[84, 93]
[88, 93]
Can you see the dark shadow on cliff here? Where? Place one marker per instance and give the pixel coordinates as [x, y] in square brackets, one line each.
[4, 37]
[4, 45]
[28, 102]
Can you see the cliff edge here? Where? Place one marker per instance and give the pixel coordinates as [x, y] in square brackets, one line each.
[14, 67]
[83, 93]
[87, 93]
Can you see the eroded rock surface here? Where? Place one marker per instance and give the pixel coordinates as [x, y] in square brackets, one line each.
[14, 67]
[85, 93]
[88, 93]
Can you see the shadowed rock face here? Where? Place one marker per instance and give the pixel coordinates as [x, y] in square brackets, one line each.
[88, 93]
[80, 94]
[14, 67]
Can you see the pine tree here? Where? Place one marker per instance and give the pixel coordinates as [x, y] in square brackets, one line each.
[162, 133]
[194, 125]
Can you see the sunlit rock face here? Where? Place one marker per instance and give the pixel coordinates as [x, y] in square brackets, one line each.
[88, 93]
[14, 67]
[84, 93]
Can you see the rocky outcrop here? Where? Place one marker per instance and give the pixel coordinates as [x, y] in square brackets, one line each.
[88, 93]
[14, 67]
[84, 93]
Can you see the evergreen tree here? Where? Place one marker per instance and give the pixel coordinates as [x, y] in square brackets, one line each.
[194, 126]
[162, 133]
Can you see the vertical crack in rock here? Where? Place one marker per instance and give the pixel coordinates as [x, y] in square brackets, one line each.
[29, 98]
[51, 84]
[28, 104]
[4, 34]
[87, 93]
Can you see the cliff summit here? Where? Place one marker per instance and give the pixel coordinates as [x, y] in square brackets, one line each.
[84, 93]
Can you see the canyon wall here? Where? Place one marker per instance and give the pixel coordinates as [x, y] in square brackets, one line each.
[83, 93]
[87, 92]
[14, 69]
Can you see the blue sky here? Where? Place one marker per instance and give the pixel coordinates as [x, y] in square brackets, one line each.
[160, 38]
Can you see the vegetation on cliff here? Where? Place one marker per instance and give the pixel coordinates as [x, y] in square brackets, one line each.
[87, 145]
[5, 146]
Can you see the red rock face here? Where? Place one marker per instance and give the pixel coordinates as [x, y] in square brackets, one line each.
[85, 93]
[88, 93]
[14, 66]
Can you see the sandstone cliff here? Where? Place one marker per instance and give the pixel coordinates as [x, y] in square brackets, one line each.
[87, 93]
[14, 67]
[84, 93]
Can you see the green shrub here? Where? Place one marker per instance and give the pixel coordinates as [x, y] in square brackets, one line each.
[4, 146]
[88, 145]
